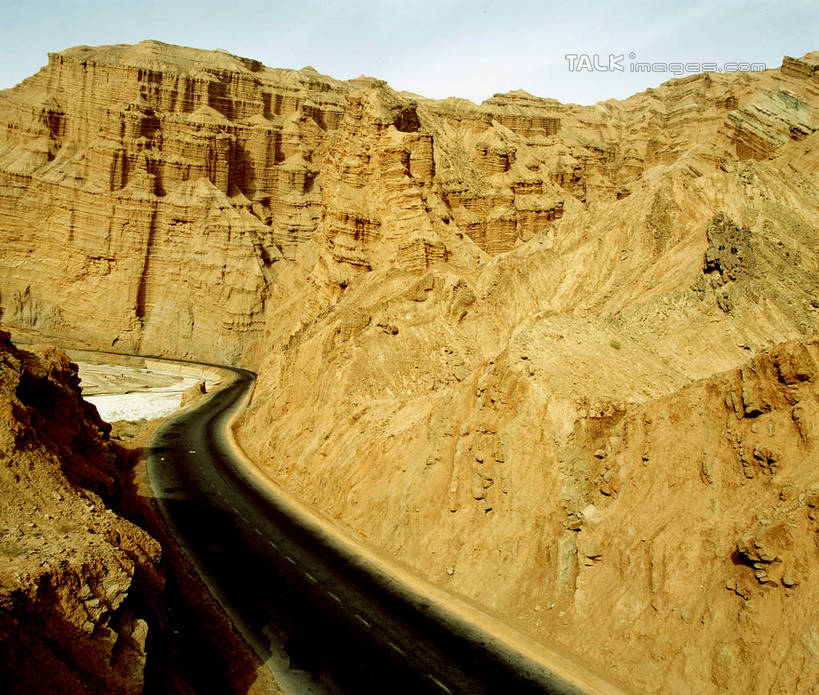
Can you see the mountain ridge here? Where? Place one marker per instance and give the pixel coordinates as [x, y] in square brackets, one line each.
[464, 317]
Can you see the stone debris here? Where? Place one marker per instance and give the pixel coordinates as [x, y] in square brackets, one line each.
[69, 564]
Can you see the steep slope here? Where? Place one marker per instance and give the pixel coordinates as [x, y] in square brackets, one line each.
[465, 316]
[162, 186]
[449, 413]
[72, 573]
[140, 181]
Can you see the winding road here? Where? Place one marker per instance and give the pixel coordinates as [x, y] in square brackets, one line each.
[344, 629]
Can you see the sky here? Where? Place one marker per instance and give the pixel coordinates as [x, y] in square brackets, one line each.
[438, 49]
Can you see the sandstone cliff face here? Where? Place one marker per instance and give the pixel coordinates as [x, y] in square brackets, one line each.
[139, 186]
[160, 188]
[472, 323]
[72, 573]
[463, 414]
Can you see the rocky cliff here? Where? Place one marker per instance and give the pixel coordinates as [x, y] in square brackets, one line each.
[151, 195]
[142, 182]
[74, 576]
[516, 344]
[525, 413]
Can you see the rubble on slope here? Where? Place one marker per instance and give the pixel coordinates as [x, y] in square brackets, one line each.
[76, 578]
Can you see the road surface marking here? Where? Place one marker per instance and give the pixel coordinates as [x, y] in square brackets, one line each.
[235, 511]
[394, 646]
[272, 544]
[311, 577]
[362, 621]
[334, 597]
[257, 531]
[191, 451]
[438, 683]
[291, 560]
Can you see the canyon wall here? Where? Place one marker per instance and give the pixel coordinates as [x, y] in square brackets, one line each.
[535, 416]
[75, 578]
[560, 359]
[137, 191]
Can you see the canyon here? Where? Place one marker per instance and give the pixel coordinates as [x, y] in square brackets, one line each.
[561, 360]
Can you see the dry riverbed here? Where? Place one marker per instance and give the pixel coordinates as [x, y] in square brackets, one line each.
[122, 392]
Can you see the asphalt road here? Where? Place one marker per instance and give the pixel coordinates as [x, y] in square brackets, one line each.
[343, 629]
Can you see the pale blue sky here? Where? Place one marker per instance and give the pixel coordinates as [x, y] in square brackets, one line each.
[438, 49]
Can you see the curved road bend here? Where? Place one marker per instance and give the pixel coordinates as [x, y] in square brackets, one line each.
[343, 629]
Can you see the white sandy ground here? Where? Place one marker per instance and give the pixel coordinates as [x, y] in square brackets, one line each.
[132, 393]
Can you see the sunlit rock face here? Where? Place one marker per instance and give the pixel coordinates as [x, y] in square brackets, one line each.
[147, 192]
[568, 398]
[559, 358]
[151, 194]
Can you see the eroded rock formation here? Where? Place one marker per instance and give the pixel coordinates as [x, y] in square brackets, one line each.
[527, 347]
[142, 181]
[72, 573]
[539, 422]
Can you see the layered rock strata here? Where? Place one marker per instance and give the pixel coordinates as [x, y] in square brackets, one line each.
[546, 354]
[540, 422]
[162, 189]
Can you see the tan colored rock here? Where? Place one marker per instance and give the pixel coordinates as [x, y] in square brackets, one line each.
[194, 393]
[173, 182]
[68, 565]
[547, 354]
[630, 350]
